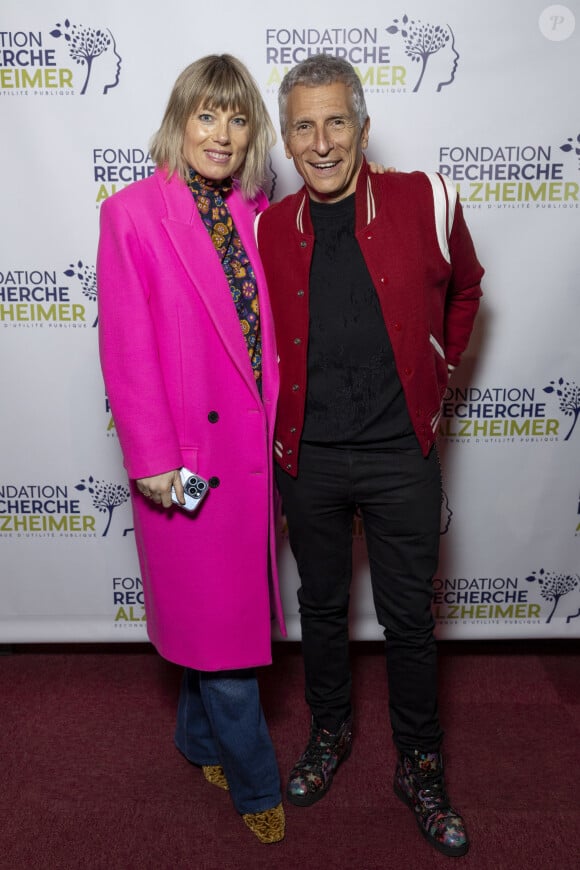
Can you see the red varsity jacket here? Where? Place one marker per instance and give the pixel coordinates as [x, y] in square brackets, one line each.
[422, 262]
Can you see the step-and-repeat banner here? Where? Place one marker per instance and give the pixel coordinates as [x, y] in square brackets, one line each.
[487, 94]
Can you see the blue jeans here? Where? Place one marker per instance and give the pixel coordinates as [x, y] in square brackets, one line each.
[220, 721]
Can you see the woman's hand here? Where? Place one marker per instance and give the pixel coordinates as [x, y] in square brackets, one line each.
[379, 169]
[158, 488]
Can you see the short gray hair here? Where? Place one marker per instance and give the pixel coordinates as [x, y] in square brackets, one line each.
[322, 69]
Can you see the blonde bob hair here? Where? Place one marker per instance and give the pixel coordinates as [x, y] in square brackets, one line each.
[218, 81]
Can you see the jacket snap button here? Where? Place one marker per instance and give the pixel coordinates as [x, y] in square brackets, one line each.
[295, 387]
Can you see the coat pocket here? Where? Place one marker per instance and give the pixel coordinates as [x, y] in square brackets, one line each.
[189, 458]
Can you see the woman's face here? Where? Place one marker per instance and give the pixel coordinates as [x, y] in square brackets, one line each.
[215, 142]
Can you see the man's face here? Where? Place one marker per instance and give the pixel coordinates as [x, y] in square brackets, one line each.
[324, 139]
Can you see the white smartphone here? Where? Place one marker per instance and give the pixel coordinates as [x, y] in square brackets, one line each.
[195, 489]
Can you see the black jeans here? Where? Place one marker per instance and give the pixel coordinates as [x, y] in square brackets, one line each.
[398, 494]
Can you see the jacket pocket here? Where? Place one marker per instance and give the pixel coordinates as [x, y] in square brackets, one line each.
[437, 346]
[441, 370]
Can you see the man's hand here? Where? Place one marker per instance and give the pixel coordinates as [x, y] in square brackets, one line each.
[158, 488]
[379, 169]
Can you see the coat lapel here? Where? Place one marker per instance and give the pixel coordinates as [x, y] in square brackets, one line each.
[243, 217]
[195, 249]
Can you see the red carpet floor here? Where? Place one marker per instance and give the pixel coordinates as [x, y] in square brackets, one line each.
[90, 777]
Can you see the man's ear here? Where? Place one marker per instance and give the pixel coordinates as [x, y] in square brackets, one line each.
[364, 136]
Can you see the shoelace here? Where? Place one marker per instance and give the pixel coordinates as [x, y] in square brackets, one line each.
[432, 791]
[316, 749]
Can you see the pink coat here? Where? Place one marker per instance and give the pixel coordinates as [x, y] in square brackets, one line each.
[182, 392]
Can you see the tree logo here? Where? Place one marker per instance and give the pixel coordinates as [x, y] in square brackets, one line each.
[572, 146]
[271, 180]
[553, 586]
[568, 394]
[429, 45]
[446, 514]
[105, 496]
[94, 49]
[87, 276]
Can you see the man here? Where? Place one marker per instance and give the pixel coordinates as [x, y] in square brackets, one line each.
[375, 286]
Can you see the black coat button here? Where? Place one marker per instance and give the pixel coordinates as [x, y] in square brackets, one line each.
[213, 482]
[213, 416]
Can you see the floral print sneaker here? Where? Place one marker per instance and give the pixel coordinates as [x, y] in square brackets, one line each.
[312, 775]
[419, 783]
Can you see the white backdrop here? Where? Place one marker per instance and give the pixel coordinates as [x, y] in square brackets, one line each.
[484, 92]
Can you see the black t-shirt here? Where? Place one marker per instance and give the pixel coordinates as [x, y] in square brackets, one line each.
[354, 396]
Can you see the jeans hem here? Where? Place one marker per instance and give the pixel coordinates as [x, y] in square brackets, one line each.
[259, 808]
[195, 761]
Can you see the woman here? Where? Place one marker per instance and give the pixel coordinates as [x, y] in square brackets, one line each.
[189, 362]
